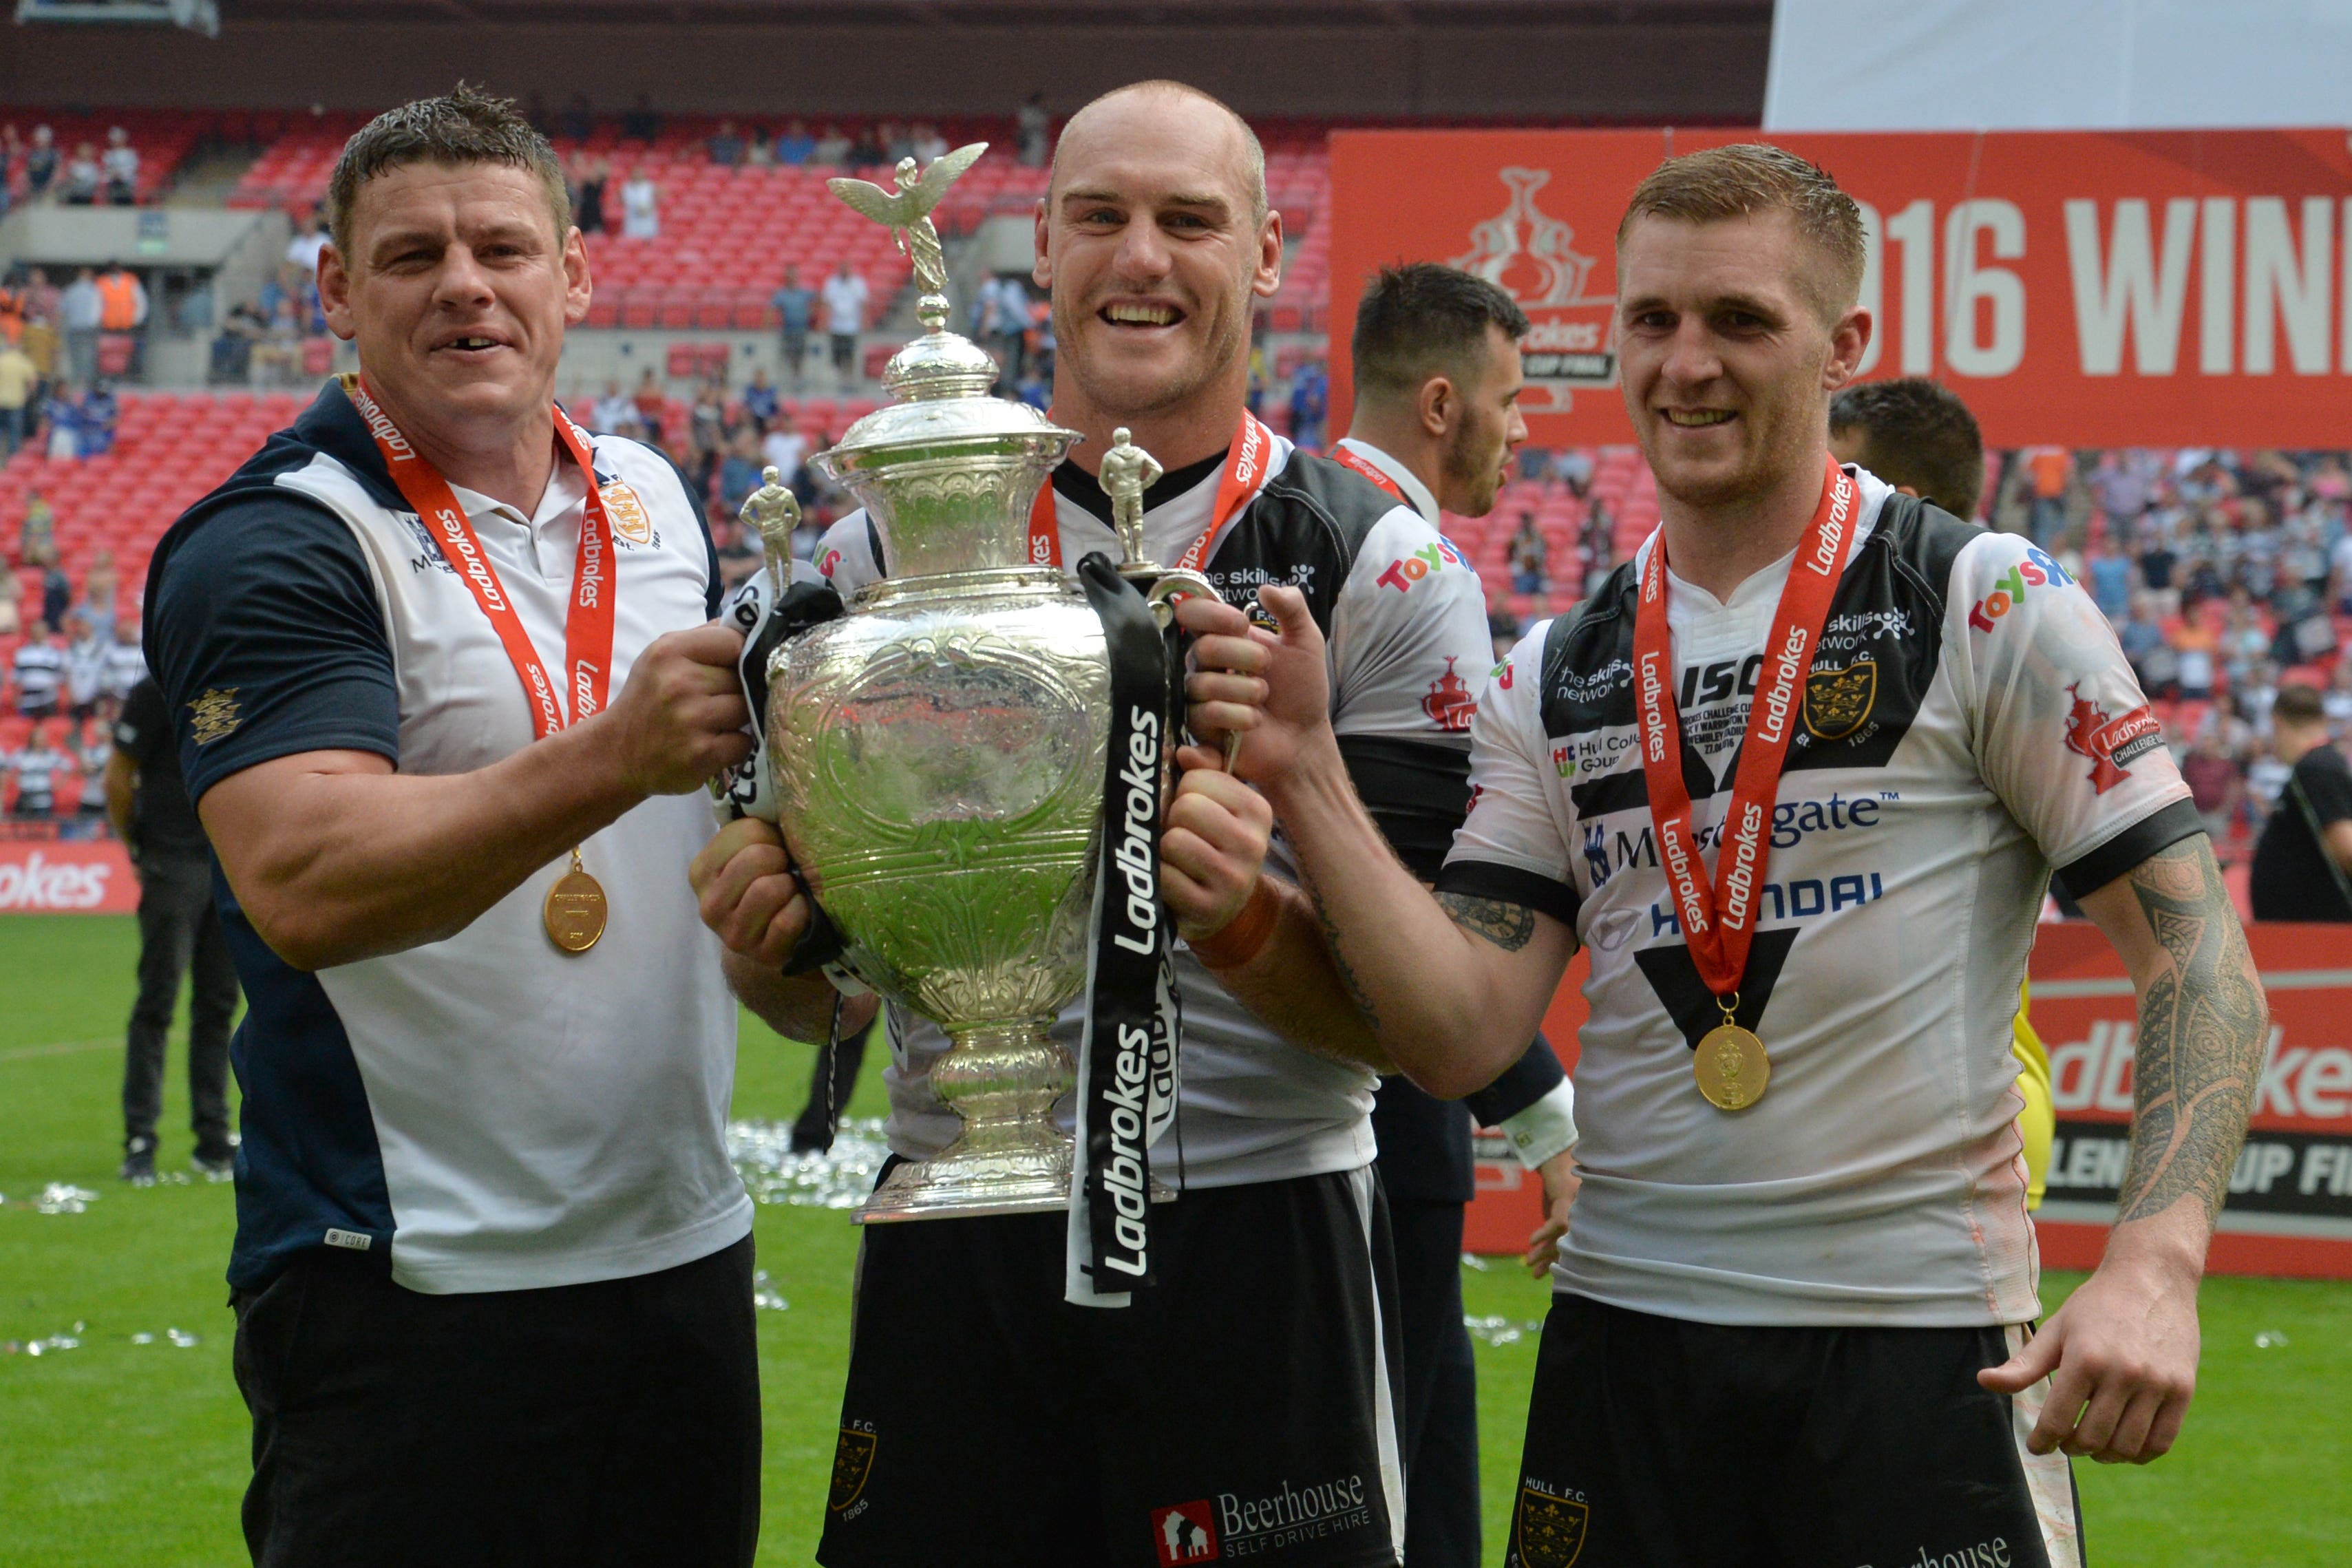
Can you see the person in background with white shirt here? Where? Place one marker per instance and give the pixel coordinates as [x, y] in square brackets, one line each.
[845, 318]
[302, 250]
[640, 205]
[122, 666]
[120, 165]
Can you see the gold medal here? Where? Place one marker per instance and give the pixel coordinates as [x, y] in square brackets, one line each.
[575, 908]
[1730, 1064]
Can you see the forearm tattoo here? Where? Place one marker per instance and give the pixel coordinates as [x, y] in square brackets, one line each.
[2203, 1025]
[1508, 926]
[1332, 945]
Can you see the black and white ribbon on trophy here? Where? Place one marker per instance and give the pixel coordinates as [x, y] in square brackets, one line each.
[1127, 1056]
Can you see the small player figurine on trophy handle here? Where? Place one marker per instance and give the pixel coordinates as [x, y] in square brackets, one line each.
[776, 512]
[1128, 470]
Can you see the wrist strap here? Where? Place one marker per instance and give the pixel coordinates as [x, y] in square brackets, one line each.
[1240, 939]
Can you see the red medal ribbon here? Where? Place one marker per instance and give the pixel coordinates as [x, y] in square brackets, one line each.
[1246, 469]
[1347, 455]
[587, 627]
[1720, 921]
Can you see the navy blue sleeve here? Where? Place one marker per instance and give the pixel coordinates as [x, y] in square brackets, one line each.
[267, 641]
[1535, 1074]
[717, 591]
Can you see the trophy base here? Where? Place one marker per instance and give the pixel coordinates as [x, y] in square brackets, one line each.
[963, 1184]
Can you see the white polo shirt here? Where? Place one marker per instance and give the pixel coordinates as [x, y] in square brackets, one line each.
[484, 1112]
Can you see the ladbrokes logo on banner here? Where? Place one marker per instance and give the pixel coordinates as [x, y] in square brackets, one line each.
[2086, 288]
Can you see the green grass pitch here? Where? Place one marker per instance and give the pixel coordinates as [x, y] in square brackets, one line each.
[133, 1456]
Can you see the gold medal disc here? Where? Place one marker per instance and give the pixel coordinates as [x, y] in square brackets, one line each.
[1731, 1067]
[575, 910]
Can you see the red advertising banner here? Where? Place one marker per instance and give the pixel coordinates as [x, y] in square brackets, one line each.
[2143, 288]
[87, 876]
[2290, 1207]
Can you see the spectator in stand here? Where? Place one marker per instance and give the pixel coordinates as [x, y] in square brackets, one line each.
[57, 595]
[41, 161]
[2048, 471]
[616, 414]
[124, 665]
[12, 612]
[40, 670]
[62, 414]
[95, 418]
[1035, 131]
[762, 153]
[84, 173]
[725, 145]
[795, 308]
[867, 150]
[1528, 556]
[795, 146]
[782, 449]
[2194, 647]
[79, 309]
[929, 145]
[2108, 575]
[1573, 468]
[2303, 865]
[179, 929]
[2336, 701]
[1310, 401]
[845, 318]
[738, 473]
[98, 588]
[832, 149]
[122, 306]
[121, 166]
[85, 663]
[740, 550]
[91, 750]
[760, 403]
[1503, 631]
[36, 536]
[707, 417]
[2216, 784]
[641, 123]
[2144, 645]
[36, 768]
[588, 202]
[302, 250]
[653, 403]
[18, 377]
[640, 205]
[895, 141]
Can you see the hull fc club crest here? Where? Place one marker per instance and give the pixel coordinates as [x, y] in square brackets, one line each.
[853, 1462]
[1532, 257]
[1837, 701]
[1550, 1531]
[2112, 745]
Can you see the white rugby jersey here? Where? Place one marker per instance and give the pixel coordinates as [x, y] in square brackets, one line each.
[484, 1111]
[1407, 627]
[1970, 723]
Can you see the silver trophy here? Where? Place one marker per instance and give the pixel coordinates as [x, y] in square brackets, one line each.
[938, 753]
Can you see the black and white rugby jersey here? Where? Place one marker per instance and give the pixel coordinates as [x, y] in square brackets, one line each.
[1968, 724]
[1406, 622]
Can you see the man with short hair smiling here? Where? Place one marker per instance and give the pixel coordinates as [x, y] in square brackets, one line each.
[1253, 1382]
[1795, 776]
[1435, 356]
[439, 670]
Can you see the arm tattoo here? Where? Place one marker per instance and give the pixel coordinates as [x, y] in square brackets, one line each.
[1331, 944]
[2203, 1025]
[1508, 926]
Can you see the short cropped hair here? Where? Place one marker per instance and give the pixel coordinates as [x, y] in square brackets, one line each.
[1422, 320]
[469, 126]
[2299, 705]
[1747, 178]
[1916, 435]
[1253, 150]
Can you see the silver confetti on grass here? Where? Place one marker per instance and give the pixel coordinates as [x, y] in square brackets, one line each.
[840, 1178]
[764, 1295]
[63, 1197]
[1499, 1331]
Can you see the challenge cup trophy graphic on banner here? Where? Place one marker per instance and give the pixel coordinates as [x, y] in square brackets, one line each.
[966, 766]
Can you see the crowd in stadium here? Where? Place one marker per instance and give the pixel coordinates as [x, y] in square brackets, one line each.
[2226, 574]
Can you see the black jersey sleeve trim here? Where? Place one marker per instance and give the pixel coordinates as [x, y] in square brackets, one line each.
[715, 591]
[1417, 795]
[1535, 1074]
[1511, 884]
[2159, 830]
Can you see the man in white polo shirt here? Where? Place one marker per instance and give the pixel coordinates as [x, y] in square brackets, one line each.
[439, 673]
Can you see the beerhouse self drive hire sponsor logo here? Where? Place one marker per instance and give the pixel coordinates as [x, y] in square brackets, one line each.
[1233, 1524]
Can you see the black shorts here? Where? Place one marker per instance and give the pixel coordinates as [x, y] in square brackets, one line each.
[612, 1422]
[1664, 1444]
[1240, 1409]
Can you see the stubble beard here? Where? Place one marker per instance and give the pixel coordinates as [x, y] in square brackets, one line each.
[1228, 341]
[1465, 466]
